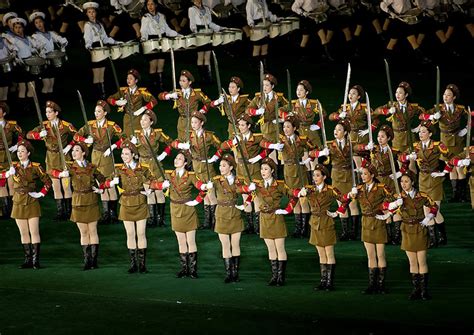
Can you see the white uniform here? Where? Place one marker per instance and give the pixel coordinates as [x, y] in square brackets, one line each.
[398, 6]
[302, 6]
[155, 25]
[45, 41]
[257, 10]
[24, 46]
[201, 17]
[5, 48]
[95, 32]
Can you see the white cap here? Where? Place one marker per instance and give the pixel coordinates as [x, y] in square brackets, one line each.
[90, 4]
[8, 16]
[19, 20]
[35, 15]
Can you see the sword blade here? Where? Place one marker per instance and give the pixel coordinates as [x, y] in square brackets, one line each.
[173, 70]
[369, 117]
[346, 87]
[394, 171]
[389, 81]
[218, 76]
[323, 129]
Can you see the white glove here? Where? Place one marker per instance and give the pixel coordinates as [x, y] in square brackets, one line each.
[415, 130]
[184, 146]
[219, 101]
[276, 146]
[397, 175]
[207, 186]
[134, 140]
[235, 140]
[252, 187]
[165, 185]
[139, 111]
[239, 207]
[324, 152]
[97, 190]
[281, 212]
[114, 181]
[462, 132]
[412, 156]
[332, 214]
[464, 162]
[314, 127]
[425, 222]
[302, 193]
[202, 111]
[369, 146]
[13, 148]
[260, 111]
[109, 150]
[392, 110]
[146, 192]
[342, 115]
[306, 161]
[435, 116]
[121, 102]
[161, 156]
[354, 191]
[213, 159]
[43, 133]
[36, 195]
[437, 174]
[191, 203]
[362, 133]
[382, 217]
[305, 13]
[395, 204]
[255, 159]
[11, 172]
[63, 174]
[173, 96]
[66, 149]
[89, 140]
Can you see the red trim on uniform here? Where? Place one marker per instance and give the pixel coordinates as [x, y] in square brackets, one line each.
[198, 184]
[265, 144]
[204, 108]
[156, 185]
[434, 210]
[424, 116]
[385, 205]
[119, 143]
[162, 95]
[55, 173]
[252, 111]
[200, 197]
[167, 150]
[341, 209]
[44, 190]
[385, 111]
[263, 154]
[149, 105]
[111, 101]
[319, 124]
[448, 168]
[79, 138]
[34, 135]
[218, 153]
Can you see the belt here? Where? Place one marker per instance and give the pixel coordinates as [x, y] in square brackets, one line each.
[428, 171]
[341, 167]
[386, 174]
[180, 202]
[83, 191]
[53, 150]
[268, 210]
[242, 161]
[227, 203]
[131, 193]
[23, 190]
[291, 161]
[412, 221]
[319, 213]
[449, 132]
[368, 215]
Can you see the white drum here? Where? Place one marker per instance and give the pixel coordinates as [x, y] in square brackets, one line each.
[275, 30]
[166, 44]
[6, 64]
[258, 32]
[151, 46]
[203, 39]
[285, 27]
[218, 38]
[295, 23]
[190, 41]
[179, 42]
[56, 57]
[129, 48]
[228, 36]
[115, 51]
[34, 64]
[238, 34]
[99, 54]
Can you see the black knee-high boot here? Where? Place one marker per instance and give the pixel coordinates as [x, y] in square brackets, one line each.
[331, 270]
[372, 288]
[36, 255]
[160, 214]
[94, 256]
[274, 279]
[455, 196]
[256, 223]
[213, 217]
[354, 230]
[183, 259]
[28, 262]
[113, 217]
[60, 210]
[298, 233]
[192, 265]
[442, 238]
[133, 261]
[344, 229]
[67, 208]
[281, 273]
[433, 243]
[415, 293]
[249, 222]
[424, 286]
[207, 217]
[150, 221]
[323, 279]
[105, 218]
[381, 281]
[228, 269]
[235, 268]
[397, 234]
[142, 260]
[4, 207]
[86, 250]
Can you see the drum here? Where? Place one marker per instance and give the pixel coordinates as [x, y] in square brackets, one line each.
[228, 36]
[285, 27]
[55, 57]
[179, 42]
[237, 34]
[318, 17]
[6, 64]
[99, 54]
[258, 32]
[275, 29]
[34, 64]
[218, 37]
[115, 51]
[190, 41]
[166, 44]
[295, 22]
[129, 48]
[151, 46]
[203, 38]
[410, 16]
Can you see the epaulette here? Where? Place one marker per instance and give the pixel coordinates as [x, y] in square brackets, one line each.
[91, 122]
[460, 107]
[145, 165]
[119, 165]
[330, 142]
[66, 123]
[360, 187]
[414, 105]
[436, 143]
[257, 94]
[196, 89]
[11, 122]
[137, 131]
[258, 182]
[219, 178]
[279, 94]
[303, 137]
[281, 182]
[191, 173]
[330, 187]
[35, 164]
[423, 194]
[142, 89]
[45, 122]
[294, 101]
[169, 171]
[110, 123]
[244, 95]
[313, 101]
[363, 104]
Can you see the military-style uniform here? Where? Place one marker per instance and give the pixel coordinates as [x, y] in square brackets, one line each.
[228, 218]
[101, 143]
[267, 127]
[414, 235]
[139, 98]
[133, 205]
[251, 148]
[323, 232]
[239, 107]
[24, 181]
[380, 159]
[295, 174]
[155, 137]
[184, 218]
[85, 207]
[53, 157]
[373, 203]
[197, 100]
[10, 128]
[341, 174]
[307, 116]
[273, 226]
[402, 123]
[358, 121]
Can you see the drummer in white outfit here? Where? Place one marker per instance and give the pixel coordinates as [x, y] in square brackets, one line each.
[94, 37]
[7, 23]
[5, 75]
[259, 14]
[154, 26]
[45, 41]
[200, 20]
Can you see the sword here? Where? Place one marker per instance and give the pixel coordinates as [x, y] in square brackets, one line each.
[468, 135]
[38, 109]
[346, 88]
[262, 94]
[207, 164]
[352, 163]
[438, 88]
[288, 87]
[110, 144]
[323, 130]
[158, 165]
[5, 144]
[60, 145]
[369, 118]
[218, 80]
[173, 70]
[130, 113]
[188, 122]
[83, 110]
[389, 81]
[394, 171]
